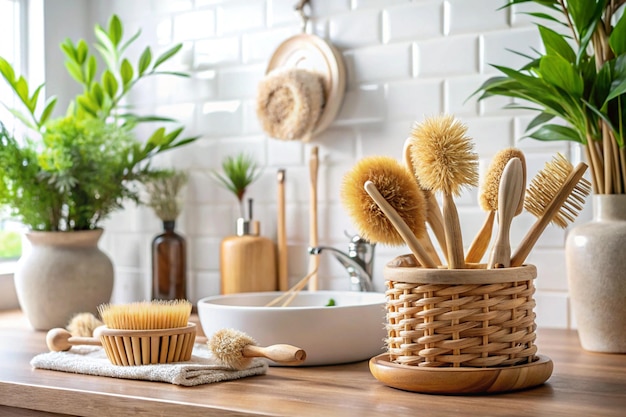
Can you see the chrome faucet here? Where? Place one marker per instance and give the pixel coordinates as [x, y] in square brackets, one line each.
[359, 261]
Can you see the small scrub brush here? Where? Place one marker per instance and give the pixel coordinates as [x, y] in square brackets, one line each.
[236, 350]
[83, 325]
[446, 162]
[555, 195]
[488, 200]
[391, 209]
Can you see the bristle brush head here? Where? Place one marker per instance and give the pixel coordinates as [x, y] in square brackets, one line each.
[83, 325]
[488, 198]
[227, 346]
[546, 184]
[397, 186]
[146, 315]
[443, 156]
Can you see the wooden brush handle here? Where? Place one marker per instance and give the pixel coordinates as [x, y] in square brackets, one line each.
[454, 238]
[435, 219]
[400, 225]
[427, 244]
[480, 243]
[313, 238]
[284, 354]
[510, 191]
[60, 340]
[281, 234]
[528, 242]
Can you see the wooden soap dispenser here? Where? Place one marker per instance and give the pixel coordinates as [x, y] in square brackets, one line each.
[247, 260]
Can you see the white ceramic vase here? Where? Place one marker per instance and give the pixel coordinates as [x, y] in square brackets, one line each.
[63, 274]
[596, 270]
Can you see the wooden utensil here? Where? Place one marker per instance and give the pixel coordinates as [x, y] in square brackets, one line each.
[281, 238]
[59, 340]
[510, 193]
[400, 225]
[313, 231]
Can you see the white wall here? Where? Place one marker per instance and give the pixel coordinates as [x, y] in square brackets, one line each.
[405, 60]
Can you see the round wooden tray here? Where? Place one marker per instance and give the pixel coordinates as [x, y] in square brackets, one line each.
[314, 54]
[460, 380]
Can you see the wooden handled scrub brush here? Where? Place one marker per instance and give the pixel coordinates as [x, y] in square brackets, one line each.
[488, 200]
[392, 208]
[555, 195]
[445, 162]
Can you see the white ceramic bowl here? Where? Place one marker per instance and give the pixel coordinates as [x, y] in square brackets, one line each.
[352, 330]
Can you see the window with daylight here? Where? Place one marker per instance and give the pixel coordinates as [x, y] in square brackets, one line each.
[13, 49]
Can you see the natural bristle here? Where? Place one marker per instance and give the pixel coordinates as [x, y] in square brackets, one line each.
[546, 184]
[227, 346]
[146, 315]
[397, 186]
[83, 325]
[443, 156]
[488, 198]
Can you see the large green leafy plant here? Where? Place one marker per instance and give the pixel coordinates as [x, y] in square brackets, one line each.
[78, 168]
[580, 79]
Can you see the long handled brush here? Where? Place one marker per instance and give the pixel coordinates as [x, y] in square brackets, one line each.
[400, 191]
[488, 200]
[555, 195]
[446, 163]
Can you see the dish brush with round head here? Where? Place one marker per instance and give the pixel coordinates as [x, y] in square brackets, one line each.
[236, 350]
[488, 200]
[445, 161]
[433, 212]
[147, 332]
[395, 215]
[555, 195]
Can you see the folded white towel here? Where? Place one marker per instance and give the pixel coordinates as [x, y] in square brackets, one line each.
[201, 369]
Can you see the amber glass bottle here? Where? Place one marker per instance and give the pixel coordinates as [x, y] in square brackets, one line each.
[169, 269]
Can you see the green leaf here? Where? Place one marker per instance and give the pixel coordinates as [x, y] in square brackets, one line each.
[559, 72]
[158, 137]
[617, 40]
[67, 46]
[144, 61]
[26, 120]
[618, 85]
[81, 51]
[115, 30]
[47, 110]
[97, 94]
[540, 119]
[7, 70]
[551, 132]
[106, 47]
[90, 70]
[582, 13]
[75, 71]
[21, 89]
[167, 55]
[109, 83]
[126, 72]
[170, 137]
[556, 44]
[87, 104]
[32, 101]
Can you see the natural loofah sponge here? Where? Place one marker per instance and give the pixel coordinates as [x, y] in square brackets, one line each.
[289, 103]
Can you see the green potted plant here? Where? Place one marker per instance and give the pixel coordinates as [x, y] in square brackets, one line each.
[578, 88]
[71, 172]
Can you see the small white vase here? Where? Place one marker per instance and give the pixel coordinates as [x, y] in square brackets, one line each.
[596, 271]
[63, 274]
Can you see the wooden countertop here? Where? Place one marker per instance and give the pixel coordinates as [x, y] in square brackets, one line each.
[583, 383]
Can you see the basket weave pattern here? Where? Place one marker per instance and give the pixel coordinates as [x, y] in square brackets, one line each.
[148, 347]
[461, 325]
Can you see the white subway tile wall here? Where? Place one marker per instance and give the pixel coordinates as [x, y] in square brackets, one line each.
[405, 60]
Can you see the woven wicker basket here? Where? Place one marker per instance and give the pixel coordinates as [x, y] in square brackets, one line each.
[461, 318]
[143, 347]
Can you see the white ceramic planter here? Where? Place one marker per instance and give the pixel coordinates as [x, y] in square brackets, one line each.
[596, 269]
[64, 273]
